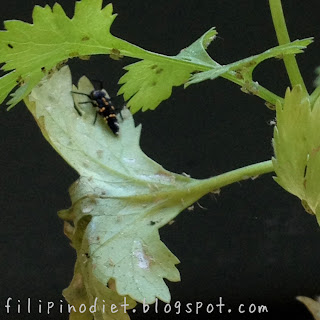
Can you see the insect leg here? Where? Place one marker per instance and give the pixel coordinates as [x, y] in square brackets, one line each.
[118, 110]
[84, 94]
[121, 115]
[78, 111]
[95, 118]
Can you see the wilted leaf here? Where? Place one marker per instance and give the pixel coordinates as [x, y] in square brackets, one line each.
[127, 196]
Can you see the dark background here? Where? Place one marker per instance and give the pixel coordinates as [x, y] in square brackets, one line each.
[251, 244]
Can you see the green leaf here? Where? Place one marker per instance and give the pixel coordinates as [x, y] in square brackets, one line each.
[32, 50]
[197, 53]
[147, 83]
[245, 67]
[127, 195]
[86, 290]
[297, 148]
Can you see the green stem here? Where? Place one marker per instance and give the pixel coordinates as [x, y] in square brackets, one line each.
[230, 177]
[262, 92]
[283, 38]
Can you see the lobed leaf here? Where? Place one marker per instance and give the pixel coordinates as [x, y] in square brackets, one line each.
[296, 145]
[127, 196]
[30, 51]
[147, 83]
[86, 290]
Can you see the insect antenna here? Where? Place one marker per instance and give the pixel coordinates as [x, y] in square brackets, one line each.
[84, 94]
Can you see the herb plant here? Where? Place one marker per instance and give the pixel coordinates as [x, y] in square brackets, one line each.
[122, 197]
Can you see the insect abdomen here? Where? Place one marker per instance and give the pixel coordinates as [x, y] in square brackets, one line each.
[107, 111]
[113, 123]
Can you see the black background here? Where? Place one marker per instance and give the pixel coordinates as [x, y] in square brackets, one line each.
[251, 244]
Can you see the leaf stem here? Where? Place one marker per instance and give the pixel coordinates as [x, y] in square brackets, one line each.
[262, 92]
[283, 38]
[222, 180]
[193, 191]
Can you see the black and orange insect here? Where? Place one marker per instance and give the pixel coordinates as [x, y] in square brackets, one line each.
[105, 108]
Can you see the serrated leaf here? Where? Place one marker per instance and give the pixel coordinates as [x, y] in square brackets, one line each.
[32, 50]
[85, 291]
[127, 195]
[147, 83]
[246, 66]
[296, 145]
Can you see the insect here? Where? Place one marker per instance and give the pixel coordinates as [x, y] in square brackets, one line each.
[105, 108]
